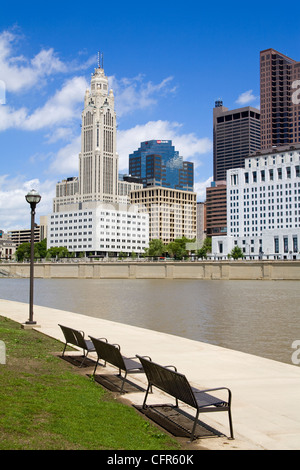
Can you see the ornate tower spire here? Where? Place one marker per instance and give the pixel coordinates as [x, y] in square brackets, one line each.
[98, 160]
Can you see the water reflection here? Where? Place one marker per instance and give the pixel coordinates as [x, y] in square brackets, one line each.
[258, 317]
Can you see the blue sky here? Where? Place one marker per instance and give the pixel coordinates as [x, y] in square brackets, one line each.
[167, 63]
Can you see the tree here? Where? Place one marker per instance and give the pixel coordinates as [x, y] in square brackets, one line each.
[177, 248]
[41, 248]
[205, 248]
[156, 248]
[23, 251]
[236, 253]
[58, 252]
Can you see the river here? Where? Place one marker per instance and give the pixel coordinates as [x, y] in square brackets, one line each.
[256, 317]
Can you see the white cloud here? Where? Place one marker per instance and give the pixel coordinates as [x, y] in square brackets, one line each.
[134, 93]
[61, 108]
[188, 145]
[20, 73]
[66, 160]
[60, 133]
[247, 97]
[11, 118]
[200, 188]
[15, 211]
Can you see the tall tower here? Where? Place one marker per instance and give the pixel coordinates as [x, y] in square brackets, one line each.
[98, 159]
[236, 134]
[279, 99]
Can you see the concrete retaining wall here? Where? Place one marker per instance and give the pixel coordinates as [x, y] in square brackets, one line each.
[268, 270]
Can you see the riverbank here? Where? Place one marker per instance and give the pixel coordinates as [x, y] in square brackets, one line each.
[265, 392]
[50, 404]
[207, 270]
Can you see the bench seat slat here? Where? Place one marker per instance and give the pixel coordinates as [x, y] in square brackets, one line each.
[204, 399]
[131, 364]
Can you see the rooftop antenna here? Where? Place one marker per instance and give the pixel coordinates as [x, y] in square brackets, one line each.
[100, 60]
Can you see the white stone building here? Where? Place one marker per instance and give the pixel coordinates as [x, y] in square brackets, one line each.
[263, 207]
[99, 229]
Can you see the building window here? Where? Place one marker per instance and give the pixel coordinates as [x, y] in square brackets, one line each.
[285, 244]
[276, 245]
[295, 244]
[234, 180]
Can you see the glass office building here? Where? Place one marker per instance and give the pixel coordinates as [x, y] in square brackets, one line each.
[157, 163]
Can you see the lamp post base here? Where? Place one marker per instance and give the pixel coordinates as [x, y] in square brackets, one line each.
[30, 324]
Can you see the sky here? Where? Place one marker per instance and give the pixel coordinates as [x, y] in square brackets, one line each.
[167, 63]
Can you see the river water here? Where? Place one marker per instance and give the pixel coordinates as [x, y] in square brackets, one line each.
[256, 317]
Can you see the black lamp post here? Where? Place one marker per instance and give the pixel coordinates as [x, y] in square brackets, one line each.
[33, 198]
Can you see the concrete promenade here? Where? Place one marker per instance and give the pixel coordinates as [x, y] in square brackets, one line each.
[265, 406]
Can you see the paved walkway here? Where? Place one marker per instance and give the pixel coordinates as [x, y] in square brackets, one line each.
[265, 407]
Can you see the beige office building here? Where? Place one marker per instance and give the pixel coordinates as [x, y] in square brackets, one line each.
[172, 213]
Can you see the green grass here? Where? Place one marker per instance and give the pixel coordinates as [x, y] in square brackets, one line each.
[45, 404]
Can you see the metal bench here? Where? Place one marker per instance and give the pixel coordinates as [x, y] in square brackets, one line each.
[111, 353]
[175, 384]
[76, 338]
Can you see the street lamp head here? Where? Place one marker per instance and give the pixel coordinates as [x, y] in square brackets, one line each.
[33, 197]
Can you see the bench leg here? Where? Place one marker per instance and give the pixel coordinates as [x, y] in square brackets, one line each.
[145, 399]
[123, 382]
[230, 424]
[64, 350]
[97, 363]
[194, 425]
[96, 366]
[84, 358]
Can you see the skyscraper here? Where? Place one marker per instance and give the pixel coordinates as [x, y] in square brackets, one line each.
[279, 99]
[157, 163]
[236, 134]
[98, 160]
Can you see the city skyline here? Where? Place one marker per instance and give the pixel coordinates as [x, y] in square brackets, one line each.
[165, 84]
